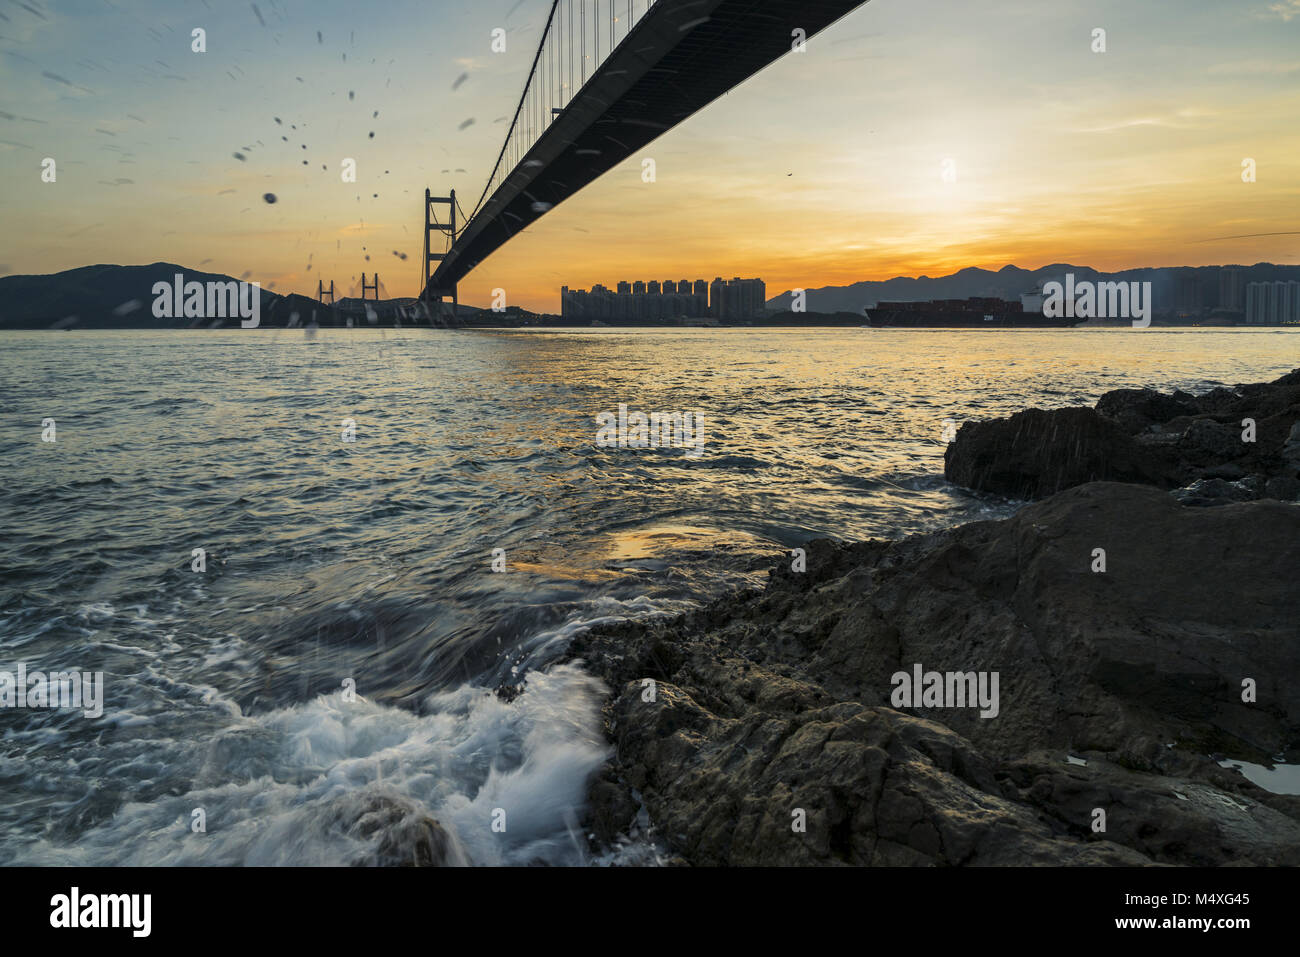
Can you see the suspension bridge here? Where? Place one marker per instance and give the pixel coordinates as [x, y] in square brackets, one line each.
[608, 77]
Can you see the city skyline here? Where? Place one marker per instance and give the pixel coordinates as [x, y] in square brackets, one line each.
[651, 300]
[1272, 303]
[893, 146]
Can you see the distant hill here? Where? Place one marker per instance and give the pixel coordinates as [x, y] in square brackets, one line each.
[102, 296]
[121, 297]
[1010, 281]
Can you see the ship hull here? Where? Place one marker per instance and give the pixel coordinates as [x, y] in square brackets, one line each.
[940, 319]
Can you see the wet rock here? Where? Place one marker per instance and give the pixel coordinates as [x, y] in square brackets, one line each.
[1137, 409]
[1036, 453]
[402, 834]
[1291, 450]
[612, 808]
[509, 692]
[1216, 491]
[767, 735]
[1284, 488]
[1136, 435]
[1228, 471]
[1206, 443]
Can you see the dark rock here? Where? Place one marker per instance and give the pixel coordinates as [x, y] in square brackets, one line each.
[1206, 443]
[1284, 488]
[401, 834]
[509, 692]
[1204, 492]
[1229, 471]
[611, 807]
[774, 706]
[1136, 409]
[1291, 449]
[1036, 453]
[1135, 435]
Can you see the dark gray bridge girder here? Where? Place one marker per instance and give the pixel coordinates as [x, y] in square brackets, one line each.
[681, 56]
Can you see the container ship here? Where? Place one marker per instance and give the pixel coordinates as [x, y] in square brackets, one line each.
[981, 312]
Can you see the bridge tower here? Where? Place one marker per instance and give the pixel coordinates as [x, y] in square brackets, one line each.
[321, 293]
[374, 286]
[431, 226]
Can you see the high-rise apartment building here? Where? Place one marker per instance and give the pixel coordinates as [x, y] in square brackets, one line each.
[1232, 288]
[1272, 303]
[737, 299]
[638, 301]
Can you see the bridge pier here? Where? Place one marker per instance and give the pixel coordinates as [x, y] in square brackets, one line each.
[431, 225]
[440, 295]
[434, 300]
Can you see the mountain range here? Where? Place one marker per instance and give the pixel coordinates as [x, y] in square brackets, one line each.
[1010, 281]
[121, 297]
[110, 296]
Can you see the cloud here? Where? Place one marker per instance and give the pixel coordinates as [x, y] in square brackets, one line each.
[1286, 10]
[1127, 124]
[1176, 120]
[1255, 68]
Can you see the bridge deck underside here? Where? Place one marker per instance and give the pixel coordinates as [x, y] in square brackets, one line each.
[679, 58]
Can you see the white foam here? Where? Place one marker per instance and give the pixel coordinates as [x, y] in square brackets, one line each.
[302, 785]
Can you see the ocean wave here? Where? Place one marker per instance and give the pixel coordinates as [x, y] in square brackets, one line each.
[331, 782]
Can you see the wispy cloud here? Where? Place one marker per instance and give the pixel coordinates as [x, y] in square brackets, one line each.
[1286, 9]
[1130, 124]
[1255, 68]
[1183, 118]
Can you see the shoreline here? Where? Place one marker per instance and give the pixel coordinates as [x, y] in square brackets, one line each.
[472, 325]
[763, 729]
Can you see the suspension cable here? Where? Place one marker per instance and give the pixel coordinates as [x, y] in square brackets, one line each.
[522, 99]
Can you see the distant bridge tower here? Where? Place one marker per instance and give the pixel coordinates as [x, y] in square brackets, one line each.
[364, 287]
[321, 293]
[431, 225]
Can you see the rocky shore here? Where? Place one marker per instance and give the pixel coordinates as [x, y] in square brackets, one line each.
[1136, 641]
[1237, 444]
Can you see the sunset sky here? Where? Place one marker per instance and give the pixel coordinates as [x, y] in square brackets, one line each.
[824, 169]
